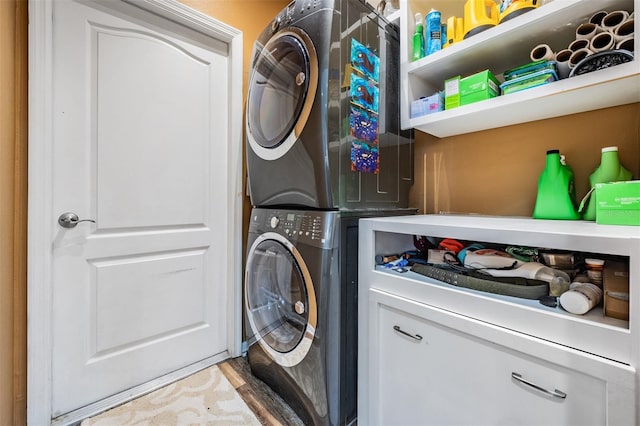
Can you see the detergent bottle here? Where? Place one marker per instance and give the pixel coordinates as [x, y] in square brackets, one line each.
[609, 170]
[418, 39]
[572, 192]
[555, 186]
[455, 30]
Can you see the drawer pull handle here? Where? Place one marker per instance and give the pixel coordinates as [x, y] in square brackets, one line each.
[555, 393]
[401, 331]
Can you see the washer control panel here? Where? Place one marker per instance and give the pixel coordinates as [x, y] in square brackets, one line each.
[310, 227]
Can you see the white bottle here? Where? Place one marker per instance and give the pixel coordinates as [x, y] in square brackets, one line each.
[581, 298]
[532, 270]
[489, 258]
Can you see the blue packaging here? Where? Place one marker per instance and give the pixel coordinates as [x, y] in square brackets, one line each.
[528, 81]
[443, 35]
[433, 28]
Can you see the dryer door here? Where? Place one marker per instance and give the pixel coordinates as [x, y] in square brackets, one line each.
[282, 87]
[280, 299]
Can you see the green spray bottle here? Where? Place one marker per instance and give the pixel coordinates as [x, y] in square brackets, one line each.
[418, 39]
[609, 170]
[555, 187]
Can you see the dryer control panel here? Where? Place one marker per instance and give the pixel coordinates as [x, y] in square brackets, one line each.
[298, 9]
[316, 228]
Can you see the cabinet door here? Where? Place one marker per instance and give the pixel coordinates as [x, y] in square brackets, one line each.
[427, 373]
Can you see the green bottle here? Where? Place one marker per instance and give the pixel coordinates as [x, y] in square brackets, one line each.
[555, 187]
[572, 190]
[418, 39]
[609, 170]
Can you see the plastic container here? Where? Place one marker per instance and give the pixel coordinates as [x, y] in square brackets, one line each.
[555, 189]
[489, 258]
[581, 298]
[533, 271]
[594, 270]
[572, 193]
[528, 69]
[455, 30]
[528, 81]
[418, 39]
[609, 170]
[433, 28]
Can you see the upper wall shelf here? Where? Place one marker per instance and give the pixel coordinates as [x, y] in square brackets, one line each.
[506, 46]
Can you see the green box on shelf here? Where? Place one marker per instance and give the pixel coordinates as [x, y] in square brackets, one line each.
[478, 87]
[452, 92]
[618, 203]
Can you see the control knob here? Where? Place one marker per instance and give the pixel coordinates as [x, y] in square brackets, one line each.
[274, 222]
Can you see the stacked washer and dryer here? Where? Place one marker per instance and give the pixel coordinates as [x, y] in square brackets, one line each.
[310, 182]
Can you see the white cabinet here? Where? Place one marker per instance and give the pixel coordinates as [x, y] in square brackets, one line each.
[436, 367]
[505, 46]
[433, 353]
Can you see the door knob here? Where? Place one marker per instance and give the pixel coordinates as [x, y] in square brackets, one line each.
[70, 220]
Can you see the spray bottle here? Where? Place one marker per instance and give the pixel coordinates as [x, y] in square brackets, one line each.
[609, 170]
[418, 39]
[554, 191]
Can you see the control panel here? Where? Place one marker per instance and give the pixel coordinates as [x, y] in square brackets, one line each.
[297, 9]
[308, 227]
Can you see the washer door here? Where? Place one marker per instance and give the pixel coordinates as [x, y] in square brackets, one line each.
[281, 91]
[280, 299]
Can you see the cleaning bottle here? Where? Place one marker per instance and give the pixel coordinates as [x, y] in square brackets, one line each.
[572, 190]
[554, 191]
[418, 39]
[433, 26]
[609, 170]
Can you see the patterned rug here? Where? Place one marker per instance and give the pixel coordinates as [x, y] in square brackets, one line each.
[204, 398]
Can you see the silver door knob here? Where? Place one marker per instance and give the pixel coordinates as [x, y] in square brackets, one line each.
[71, 220]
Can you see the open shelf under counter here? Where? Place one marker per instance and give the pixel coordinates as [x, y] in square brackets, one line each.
[592, 333]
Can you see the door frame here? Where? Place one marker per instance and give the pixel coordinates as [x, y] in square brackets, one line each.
[41, 222]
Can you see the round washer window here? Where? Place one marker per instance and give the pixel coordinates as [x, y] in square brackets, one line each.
[276, 296]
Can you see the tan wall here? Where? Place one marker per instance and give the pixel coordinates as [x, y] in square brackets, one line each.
[496, 171]
[13, 195]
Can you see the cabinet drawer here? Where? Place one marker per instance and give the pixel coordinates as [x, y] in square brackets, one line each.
[430, 371]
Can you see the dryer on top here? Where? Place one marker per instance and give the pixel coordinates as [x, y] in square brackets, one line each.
[299, 145]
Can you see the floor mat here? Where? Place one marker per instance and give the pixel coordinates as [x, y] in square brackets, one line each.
[206, 397]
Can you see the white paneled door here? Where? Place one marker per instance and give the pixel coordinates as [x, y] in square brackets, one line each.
[139, 146]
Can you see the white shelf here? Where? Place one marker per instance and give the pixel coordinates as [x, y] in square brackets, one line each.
[576, 235]
[505, 46]
[595, 315]
[394, 17]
